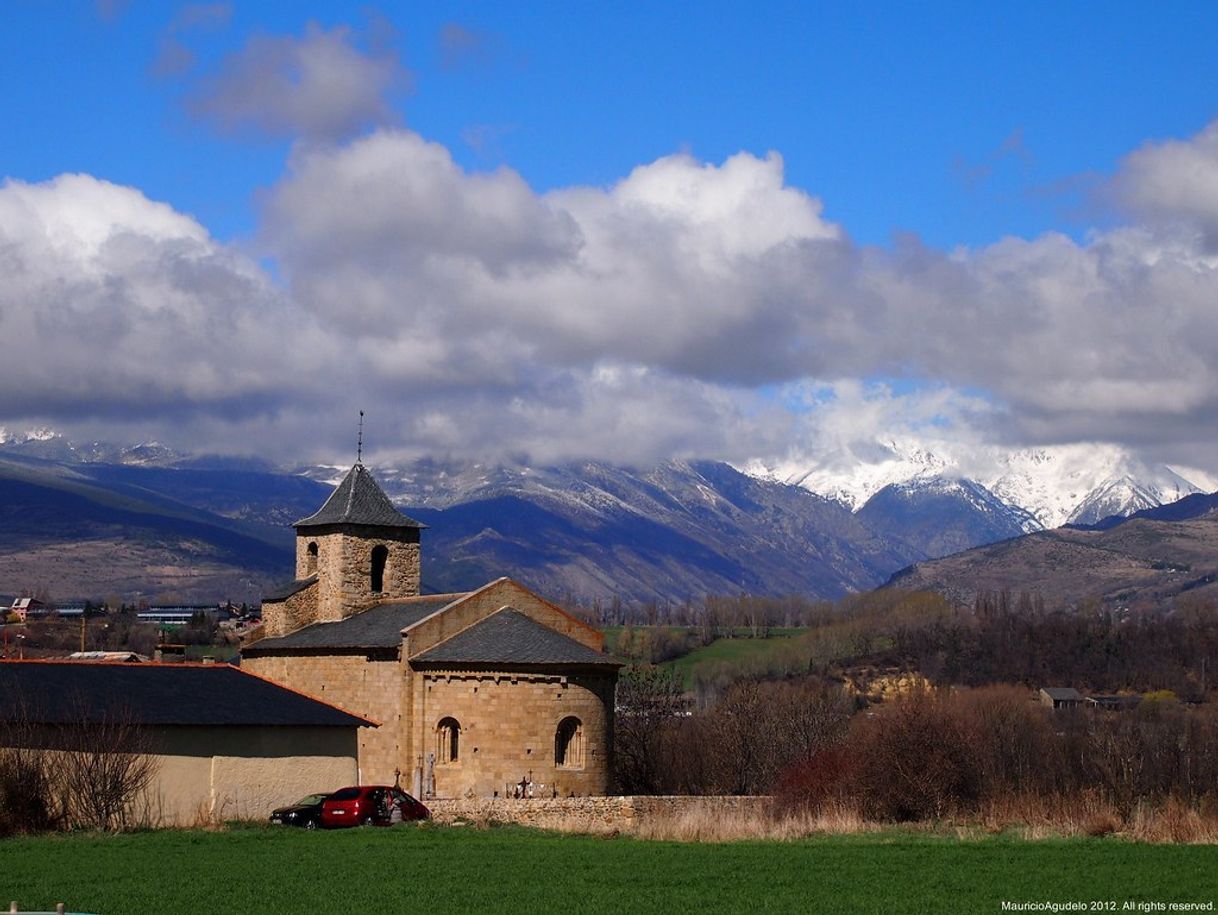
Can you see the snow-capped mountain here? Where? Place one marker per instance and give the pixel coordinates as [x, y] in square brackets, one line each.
[14, 437]
[1050, 486]
[1080, 484]
[854, 474]
[51, 445]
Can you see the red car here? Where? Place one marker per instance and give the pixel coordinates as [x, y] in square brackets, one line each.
[370, 805]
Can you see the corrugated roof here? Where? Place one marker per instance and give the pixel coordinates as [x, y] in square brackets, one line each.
[48, 692]
[288, 588]
[508, 637]
[359, 500]
[378, 627]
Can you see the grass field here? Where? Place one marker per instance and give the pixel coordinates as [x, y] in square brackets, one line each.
[440, 870]
[737, 652]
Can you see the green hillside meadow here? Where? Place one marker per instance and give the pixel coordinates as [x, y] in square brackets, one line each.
[439, 870]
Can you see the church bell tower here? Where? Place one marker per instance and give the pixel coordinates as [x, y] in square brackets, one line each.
[362, 550]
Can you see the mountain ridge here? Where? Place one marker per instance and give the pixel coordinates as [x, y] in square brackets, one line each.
[585, 531]
[1052, 485]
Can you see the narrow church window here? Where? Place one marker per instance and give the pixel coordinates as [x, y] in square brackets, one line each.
[311, 559]
[379, 556]
[448, 740]
[569, 743]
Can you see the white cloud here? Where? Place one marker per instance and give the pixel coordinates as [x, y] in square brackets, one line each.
[675, 267]
[114, 304]
[1174, 182]
[472, 315]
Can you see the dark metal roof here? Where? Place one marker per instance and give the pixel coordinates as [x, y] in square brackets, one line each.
[379, 627]
[1062, 693]
[288, 588]
[359, 500]
[508, 637]
[67, 692]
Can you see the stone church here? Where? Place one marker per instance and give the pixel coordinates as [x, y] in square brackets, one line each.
[475, 693]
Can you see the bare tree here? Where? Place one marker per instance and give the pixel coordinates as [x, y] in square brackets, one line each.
[87, 774]
[650, 703]
[106, 769]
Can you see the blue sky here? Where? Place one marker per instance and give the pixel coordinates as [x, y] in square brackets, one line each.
[519, 148]
[960, 122]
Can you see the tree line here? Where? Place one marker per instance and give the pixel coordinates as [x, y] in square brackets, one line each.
[929, 754]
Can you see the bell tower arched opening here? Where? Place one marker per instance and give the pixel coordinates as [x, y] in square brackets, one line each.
[380, 556]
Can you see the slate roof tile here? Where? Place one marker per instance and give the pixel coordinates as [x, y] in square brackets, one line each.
[64, 692]
[508, 637]
[378, 627]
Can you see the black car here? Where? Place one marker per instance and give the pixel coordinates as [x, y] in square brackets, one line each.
[305, 813]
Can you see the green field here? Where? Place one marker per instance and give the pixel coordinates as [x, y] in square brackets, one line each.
[741, 653]
[438, 870]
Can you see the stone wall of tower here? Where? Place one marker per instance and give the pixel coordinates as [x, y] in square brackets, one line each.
[343, 566]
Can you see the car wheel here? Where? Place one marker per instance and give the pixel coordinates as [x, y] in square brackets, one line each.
[310, 824]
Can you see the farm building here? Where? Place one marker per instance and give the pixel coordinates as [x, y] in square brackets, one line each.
[1060, 697]
[225, 743]
[479, 691]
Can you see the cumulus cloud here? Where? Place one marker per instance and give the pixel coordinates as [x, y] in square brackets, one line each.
[323, 86]
[724, 275]
[690, 308]
[671, 268]
[113, 304]
[1174, 183]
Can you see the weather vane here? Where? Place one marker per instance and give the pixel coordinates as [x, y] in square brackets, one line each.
[359, 443]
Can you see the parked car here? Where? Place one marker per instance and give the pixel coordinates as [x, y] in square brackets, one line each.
[370, 805]
[305, 813]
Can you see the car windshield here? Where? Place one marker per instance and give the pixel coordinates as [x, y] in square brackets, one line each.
[311, 800]
[346, 794]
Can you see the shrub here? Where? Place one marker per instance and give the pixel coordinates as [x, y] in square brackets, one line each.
[914, 760]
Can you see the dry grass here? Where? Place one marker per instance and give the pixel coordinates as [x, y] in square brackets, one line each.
[1041, 816]
[1030, 816]
[1174, 822]
[705, 823]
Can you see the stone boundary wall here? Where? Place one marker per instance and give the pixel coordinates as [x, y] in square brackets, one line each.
[587, 814]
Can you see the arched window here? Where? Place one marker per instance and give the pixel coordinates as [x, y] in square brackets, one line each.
[569, 743]
[448, 740]
[380, 554]
[311, 559]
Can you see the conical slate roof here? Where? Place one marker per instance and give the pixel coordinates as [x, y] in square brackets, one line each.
[358, 500]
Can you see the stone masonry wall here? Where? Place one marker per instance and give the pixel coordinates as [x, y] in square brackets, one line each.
[587, 814]
[508, 724]
[297, 611]
[371, 688]
[344, 567]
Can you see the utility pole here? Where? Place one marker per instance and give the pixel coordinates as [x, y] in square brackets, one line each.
[82, 631]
